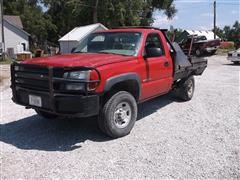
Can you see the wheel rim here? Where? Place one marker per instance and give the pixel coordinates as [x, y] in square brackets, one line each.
[190, 89]
[122, 115]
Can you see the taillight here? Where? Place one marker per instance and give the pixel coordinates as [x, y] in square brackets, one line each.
[94, 80]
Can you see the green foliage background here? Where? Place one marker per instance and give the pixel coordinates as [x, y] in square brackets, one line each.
[230, 33]
[60, 16]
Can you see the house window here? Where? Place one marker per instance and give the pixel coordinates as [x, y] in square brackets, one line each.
[24, 46]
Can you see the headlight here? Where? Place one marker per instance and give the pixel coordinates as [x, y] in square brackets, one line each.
[89, 80]
[77, 75]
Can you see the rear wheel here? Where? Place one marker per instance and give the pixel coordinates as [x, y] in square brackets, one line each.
[46, 115]
[185, 89]
[213, 52]
[118, 115]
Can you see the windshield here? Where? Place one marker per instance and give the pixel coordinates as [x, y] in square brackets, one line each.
[122, 43]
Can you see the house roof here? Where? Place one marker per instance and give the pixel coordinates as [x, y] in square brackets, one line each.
[208, 34]
[16, 22]
[79, 33]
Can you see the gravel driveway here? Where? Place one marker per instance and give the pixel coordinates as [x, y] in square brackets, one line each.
[171, 139]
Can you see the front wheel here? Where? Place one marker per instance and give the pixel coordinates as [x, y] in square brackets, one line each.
[118, 115]
[185, 89]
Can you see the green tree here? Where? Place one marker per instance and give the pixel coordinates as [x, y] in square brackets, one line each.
[175, 34]
[220, 33]
[63, 15]
[67, 14]
[230, 33]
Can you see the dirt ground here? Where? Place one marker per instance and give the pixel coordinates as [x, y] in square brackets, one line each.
[171, 139]
[4, 75]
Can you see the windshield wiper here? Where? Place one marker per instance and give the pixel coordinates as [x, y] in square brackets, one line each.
[101, 53]
[80, 52]
[111, 53]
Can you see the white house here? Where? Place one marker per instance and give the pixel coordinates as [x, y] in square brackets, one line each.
[16, 39]
[74, 37]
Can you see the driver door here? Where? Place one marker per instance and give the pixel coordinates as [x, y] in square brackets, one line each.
[158, 68]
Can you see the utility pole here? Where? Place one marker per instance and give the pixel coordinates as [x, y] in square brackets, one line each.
[214, 21]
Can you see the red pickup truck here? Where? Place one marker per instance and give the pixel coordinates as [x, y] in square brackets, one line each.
[107, 74]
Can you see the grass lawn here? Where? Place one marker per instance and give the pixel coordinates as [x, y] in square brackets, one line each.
[5, 61]
[223, 52]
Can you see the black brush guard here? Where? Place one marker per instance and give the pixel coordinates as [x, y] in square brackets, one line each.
[48, 83]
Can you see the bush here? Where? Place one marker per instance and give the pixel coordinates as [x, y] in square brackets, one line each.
[6, 60]
[227, 45]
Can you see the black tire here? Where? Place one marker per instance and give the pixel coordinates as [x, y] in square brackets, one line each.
[213, 52]
[236, 63]
[107, 121]
[185, 89]
[46, 115]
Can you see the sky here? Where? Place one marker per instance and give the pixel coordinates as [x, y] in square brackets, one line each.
[198, 14]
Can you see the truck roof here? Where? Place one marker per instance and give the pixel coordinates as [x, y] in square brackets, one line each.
[134, 29]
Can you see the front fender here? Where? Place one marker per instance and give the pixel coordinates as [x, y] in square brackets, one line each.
[121, 78]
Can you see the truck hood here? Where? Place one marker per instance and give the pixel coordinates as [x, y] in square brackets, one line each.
[74, 60]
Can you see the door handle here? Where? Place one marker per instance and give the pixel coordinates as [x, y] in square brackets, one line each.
[166, 64]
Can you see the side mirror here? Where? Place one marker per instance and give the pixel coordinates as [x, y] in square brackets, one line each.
[153, 51]
[73, 49]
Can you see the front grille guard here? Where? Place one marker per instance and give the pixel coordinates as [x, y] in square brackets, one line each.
[53, 80]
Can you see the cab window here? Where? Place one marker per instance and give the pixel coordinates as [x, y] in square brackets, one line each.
[153, 41]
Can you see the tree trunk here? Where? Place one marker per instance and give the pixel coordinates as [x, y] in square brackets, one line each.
[95, 12]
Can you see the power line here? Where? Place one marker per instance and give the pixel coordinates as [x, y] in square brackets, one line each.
[206, 1]
[229, 3]
[196, 6]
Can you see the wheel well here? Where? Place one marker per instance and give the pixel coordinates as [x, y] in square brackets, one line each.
[130, 86]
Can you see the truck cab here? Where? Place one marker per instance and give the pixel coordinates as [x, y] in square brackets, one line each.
[106, 75]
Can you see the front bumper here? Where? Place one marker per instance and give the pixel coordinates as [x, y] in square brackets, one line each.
[47, 85]
[211, 49]
[234, 59]
[60, 104]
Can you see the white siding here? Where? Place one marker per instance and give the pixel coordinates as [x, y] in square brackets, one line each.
[66, 46]
[74, 37]
[14, 36]
[79, 33]
[208, 34]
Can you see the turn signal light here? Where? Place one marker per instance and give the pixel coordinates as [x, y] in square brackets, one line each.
[94, 76]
